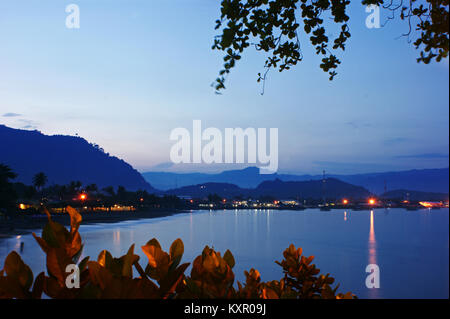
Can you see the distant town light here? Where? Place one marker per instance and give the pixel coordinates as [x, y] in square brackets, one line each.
[345, 201]
[83, 196]
[372, 201]
[22, 206]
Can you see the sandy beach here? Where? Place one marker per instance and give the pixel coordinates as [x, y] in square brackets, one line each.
[25, 224]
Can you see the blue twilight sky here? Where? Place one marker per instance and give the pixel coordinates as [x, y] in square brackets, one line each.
[135, 70]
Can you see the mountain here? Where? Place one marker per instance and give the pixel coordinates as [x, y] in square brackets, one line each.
[203, 190]
[422, 180]
[426, 180]
[64, 159]
[403, 194]
[246, 178]
[334, 189]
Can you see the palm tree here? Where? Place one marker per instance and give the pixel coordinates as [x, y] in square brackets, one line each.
[7, 194]
[92, 188]
[39, 180]
[6, 173]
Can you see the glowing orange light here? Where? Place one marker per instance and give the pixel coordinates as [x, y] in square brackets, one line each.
[83, 196]
[191, 201]
[430, 204]
[141, 199]
[345, 201]
[372, 201]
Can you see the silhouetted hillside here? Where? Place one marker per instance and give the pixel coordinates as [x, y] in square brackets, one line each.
[426, 180]
[64, 159]
[203, 190]
[334, 189]
[403, 194]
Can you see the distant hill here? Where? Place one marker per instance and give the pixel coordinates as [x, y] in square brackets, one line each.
[64, 159]
[334, 189]
[403, 194]
[245, 178]
[426, 180]
[203, 190]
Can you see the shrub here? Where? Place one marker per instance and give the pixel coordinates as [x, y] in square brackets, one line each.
[163, 278]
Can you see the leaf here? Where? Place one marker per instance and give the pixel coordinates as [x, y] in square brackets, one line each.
[228, 257]
[18, 270]
[83, 264]
[75, 219]
[176, 252]
[156, 257]
[169, 284]
[57, 261]
[105, 258]
[128, 260]
[55, 234]
[99, 275]
[269, 293]
[38, 286]
[41, 243]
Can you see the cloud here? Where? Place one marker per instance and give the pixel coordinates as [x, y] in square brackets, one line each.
[28, 124]
[396, 141]
[357, 125]
[11, 115]
[29, 127]
[424, 156]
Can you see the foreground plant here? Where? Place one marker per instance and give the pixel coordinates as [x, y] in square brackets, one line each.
[163, 278]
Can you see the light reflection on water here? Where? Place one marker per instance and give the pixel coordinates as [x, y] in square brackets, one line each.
[410, 247]
[373, 293]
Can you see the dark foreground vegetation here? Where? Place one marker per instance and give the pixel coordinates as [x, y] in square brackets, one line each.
[163, 277]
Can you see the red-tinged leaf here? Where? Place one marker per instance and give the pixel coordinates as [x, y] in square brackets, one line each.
[38, 286]
[41, 243]
[75, 219]
[99, 275]
[17, 269]
[57, 261]
[169, 284]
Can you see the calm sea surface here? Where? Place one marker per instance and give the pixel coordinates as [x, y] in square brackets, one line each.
[411, 248]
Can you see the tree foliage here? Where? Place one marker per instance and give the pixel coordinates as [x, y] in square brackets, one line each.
[164, 276]
[7, 194]
[273, 27]
[39, 180]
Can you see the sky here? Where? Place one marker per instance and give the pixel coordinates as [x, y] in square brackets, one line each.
[136, 70]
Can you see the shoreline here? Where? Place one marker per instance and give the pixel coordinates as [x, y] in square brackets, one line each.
[26, 224]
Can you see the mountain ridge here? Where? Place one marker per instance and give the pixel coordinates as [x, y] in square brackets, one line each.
[64, 159]
[334, 189]
[424, 180]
